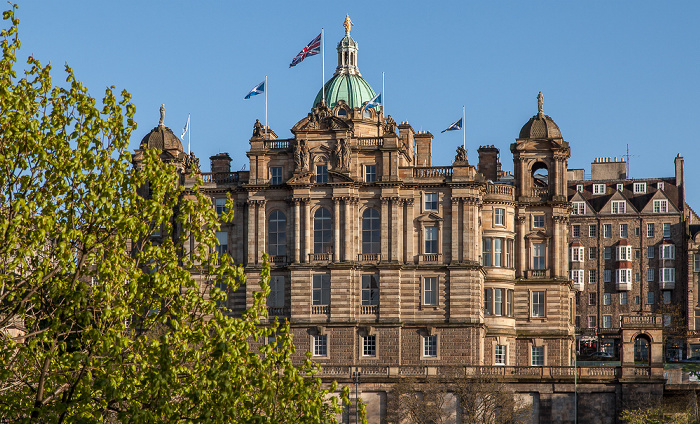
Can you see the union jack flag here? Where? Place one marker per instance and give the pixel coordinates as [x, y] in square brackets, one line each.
[313, 48]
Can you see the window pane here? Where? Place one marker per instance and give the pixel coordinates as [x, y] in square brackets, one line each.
[370, 289]
[277, 241]
[431, 240]
[323, 241]
[371, 231]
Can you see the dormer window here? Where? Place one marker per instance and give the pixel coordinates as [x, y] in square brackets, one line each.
[620, 187]
[578, 208]
[579, 188]
[660, 206]
[640, 188]
[617, 207]
[598, 188]
[660, 185]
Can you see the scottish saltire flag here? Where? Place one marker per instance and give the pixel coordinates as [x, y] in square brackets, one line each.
[187, 127]
[456, 126]
[258, 89]
[311, 49]
[376, 101]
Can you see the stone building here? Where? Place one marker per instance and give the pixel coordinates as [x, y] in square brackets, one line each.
[628, 255]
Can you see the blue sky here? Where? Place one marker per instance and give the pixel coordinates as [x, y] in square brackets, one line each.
[613, 73]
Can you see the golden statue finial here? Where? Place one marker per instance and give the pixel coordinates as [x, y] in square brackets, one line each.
[347, 24]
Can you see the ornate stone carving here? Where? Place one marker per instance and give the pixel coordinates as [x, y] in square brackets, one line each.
[162, 115]
[390, 125]
[257, 129]
[461, 154]
[348, 24]
[540, 103]
[301, 155]
[191, 163]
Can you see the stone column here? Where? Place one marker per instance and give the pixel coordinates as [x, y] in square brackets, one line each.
[239, 220]
[521, 248]
[466, 224]
[262, 231]
[400, 229]
[385, 228]
[336, 229]
[297, 222]
[355, 248]
[394, 229]
[454, 233]
[347, 245]
[410, 232]
[251, 232]
[307, 231]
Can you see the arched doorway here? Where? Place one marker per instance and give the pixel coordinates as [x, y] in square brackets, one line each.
[641, 349]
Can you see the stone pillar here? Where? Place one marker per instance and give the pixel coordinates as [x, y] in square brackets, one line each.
[467, 236]
[554, 247]
[357, 230]
[262, 231]
[394, 246]
[454, 233]
[336, 229]
[385, 228]
[251, 232]
[410, 232]
[307, 230]
[297, 222]
[400, 229]
[347, 245]
[521, 248]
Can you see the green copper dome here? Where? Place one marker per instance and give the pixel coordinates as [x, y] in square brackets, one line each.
[351, 88]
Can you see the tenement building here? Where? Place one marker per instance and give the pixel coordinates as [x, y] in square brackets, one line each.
[389, 267]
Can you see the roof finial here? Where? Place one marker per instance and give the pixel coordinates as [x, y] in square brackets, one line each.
[540, 101]
[162, 115]
[347, 24]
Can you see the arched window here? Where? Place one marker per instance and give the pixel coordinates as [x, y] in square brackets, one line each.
[277, 240]
[342, 112]
[323, 239]
[371, 232]
[641, 349]
[540, 175]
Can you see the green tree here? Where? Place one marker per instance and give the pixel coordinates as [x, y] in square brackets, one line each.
[100, 322]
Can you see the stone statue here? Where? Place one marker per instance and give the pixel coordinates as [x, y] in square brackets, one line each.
[297, 155]
[257, 129]
[461, 154]
[337, 154]
[162, 115]
[191, 162]
[540, 102]
[390, 125]
[348, 24]
[345, 154]
[304, 157]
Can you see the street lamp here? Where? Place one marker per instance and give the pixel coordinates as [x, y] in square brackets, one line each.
[356, 379]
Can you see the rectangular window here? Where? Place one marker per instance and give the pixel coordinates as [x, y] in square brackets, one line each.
[640, 188]
[220, 206]
[498, 302]
[499, 216]
[488, 301]
[667, 251]
[538, 221]
[321, 289]
[509, 253]
[537, 356]
[576, 231]
[618, 206]
[593, 230]
[696, 262]
[667, 297]
[624, 275]
[276, 297]
[592, 276]
[598, 188]
[430, 346]
[276, 175]
[624, 253]
[637, 254]
[222, 238]
[509, 303]
[660, 206]
[636, 231]
[486, 253]
[592, 252]
[431, 240]
[667, 275]
[607, 321]
[607, 275]
[650, 274]
[592, 321]
[576, 254]
[577, 276]
[650, 252]
[650, 298]
[607, 253]
[538, 306]
[321, 174]
[650, 230]
[592, 297]
[623, 230]
[430, 290]
[538, 259]
[321, 345]
[607, 298]
[579, 188]
[660, 185]
[370, 173]
[497, 252]
[620, 186]
[623, 298]
[578, 208]
[667, 230]
[370, 289]
[369, 346]
[499, 355]
[431, 201]
[607, 230]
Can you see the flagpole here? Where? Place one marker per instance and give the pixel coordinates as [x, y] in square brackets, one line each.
[323, 68]
[189, 133]
[464, 130]
[383, 93]
[265, 107]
